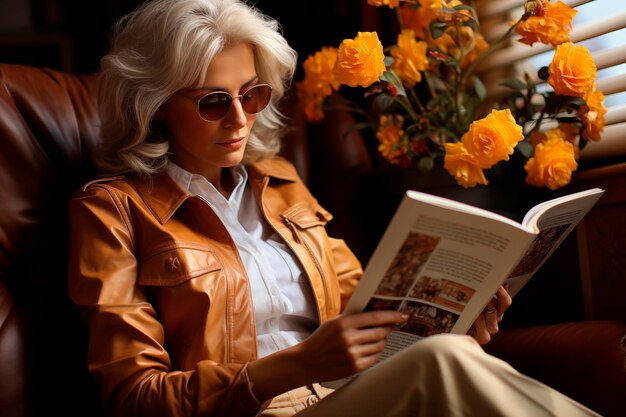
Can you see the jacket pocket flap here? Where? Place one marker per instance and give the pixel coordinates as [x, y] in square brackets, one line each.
[176, 265]
[306, 215]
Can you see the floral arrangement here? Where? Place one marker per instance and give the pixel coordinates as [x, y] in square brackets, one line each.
[424, 102]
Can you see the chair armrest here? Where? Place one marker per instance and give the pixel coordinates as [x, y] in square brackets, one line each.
[584, 360]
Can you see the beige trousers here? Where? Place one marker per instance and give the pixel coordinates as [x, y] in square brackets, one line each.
[440, 376]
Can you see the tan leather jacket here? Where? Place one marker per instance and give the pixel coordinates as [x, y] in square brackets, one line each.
[161, 286]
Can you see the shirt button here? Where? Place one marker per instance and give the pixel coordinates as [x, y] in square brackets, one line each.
[274, 291]
[273, 322]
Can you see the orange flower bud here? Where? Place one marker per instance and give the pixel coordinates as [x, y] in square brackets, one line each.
[550, 23]
[536, 7]
[592, 115]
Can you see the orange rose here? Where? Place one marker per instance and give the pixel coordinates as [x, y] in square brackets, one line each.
[592, 115]
[410, 58]
[318, 83]
[552, 164]
[493, 138]
[571, 132]
[310, 102]
[360, 61]
[549, 24]
[318, 70]
[572, 71]
[419, 19]
[463, 166]
[566, 131]
[388, 136]
[391, 3]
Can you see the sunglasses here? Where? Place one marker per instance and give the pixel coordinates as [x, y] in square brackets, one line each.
[213, 106]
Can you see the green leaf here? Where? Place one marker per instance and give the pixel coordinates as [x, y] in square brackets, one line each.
[576, 101]
[362, 125]
[437, 29]
[571, 119]
[515, 84]
[392, 78]
[472, 24]
[525, 148]
[530, 83]
[481, 91]
[383, 103]
[448, 9]
[425, 164]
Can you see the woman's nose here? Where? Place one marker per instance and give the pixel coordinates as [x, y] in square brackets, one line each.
[236, 116]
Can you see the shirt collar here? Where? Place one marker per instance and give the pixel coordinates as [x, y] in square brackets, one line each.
[196, 184]
[186, 179]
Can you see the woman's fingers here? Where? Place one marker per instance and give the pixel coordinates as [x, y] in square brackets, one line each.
[486, 325]
[479, 330]
[504, 300]
[350, 343]
[490, 316]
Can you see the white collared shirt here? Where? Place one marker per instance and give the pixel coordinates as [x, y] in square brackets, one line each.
[284, 307]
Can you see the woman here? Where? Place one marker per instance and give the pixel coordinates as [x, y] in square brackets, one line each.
[203, 269]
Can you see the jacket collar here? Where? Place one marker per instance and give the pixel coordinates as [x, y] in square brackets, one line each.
[163, 196]
[276, 168]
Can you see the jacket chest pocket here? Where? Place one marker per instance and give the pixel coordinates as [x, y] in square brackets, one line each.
[305, 217]
[185, 285]
[175, 264]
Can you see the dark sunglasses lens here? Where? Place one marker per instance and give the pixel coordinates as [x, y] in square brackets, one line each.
[214, 106]
[256, 98]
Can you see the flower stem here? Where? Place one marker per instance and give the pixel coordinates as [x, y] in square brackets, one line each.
[470, 69]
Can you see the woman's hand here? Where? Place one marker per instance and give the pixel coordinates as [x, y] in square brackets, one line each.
[348, 344]
[486, 325]
[339, 348]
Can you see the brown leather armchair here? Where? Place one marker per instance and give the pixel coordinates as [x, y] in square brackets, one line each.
[48, 126]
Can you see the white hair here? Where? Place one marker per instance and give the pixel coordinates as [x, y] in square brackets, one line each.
[167, 45]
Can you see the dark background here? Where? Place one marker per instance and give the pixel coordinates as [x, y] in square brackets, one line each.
[73, 35]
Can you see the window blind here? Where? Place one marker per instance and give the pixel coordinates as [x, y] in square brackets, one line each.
[598, 25]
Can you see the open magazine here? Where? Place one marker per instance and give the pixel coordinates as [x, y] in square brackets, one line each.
[441, 261]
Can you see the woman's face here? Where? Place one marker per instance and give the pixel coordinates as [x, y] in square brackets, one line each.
[206, 147]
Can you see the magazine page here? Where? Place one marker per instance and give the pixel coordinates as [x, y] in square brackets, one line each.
[440, 263]
[554, 220]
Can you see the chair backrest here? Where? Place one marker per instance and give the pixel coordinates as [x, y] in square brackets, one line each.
[48, 126]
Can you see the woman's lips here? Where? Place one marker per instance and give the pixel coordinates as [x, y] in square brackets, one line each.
[232, 144]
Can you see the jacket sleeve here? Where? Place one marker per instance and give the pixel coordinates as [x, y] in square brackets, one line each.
[349, 270]
[126, 340]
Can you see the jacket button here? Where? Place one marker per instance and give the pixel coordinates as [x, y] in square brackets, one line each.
[173, 263]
